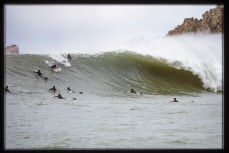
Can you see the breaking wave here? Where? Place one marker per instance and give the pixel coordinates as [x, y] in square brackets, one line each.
[114, 72]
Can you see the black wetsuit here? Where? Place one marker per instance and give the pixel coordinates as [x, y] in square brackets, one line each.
[175, 100]
[132, 91]
[6, 89]
[53, 89]
[69, 89]
[59, 96]
[54, 66]
[69, 56]
[39, 73]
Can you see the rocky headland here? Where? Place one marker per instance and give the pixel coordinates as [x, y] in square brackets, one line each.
[211, 22]
[12, 49]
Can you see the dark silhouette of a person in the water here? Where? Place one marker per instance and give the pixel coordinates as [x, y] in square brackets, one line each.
[69, 56]
[175, 100]
[69, 89]
[133, 91]
[53, 89]
[39, 73]
[6, 89]
[53, 66]
[59, 96]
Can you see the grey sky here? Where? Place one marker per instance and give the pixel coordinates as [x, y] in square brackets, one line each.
[80, 28]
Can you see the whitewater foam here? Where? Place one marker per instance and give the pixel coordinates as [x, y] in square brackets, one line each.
[202, 54]
[60, 58]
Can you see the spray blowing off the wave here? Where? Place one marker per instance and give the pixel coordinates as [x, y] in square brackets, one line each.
[201, 54]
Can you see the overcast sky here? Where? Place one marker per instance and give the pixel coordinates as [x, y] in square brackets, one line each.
[79, 28]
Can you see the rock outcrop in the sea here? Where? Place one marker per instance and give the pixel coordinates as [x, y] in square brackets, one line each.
[12, 49]
[211, 22]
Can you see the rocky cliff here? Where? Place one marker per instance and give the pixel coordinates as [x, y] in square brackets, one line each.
[12, 49]
[211, 22]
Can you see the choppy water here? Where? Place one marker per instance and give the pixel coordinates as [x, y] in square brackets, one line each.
[131, 121]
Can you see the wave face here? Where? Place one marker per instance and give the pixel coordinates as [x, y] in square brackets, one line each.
[109, 73]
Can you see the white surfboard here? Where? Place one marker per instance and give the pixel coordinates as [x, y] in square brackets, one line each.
[57, 69]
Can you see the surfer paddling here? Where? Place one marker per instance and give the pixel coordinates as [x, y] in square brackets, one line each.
[6, 89]
[53, 89]
[175, 100]
[69, 90]
[38, 72]
[133, 91]
[59, 96]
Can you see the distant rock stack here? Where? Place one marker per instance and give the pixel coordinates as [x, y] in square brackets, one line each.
[212, 22]
[12, 49]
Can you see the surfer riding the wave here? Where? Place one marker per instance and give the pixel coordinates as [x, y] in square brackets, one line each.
[69, 56]
[53, 66]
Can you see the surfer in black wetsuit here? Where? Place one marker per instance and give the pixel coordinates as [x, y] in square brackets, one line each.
[80, 92]
[53, 89]
[59, 96]
[69, 56]
[6, 89]
[133, 91]
[53, 66]
[39, 73]
[69, 89]
[174, 100]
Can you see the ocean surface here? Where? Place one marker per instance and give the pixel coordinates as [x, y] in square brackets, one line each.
[107, 115]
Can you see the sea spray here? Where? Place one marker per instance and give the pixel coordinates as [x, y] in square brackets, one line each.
[202, 54]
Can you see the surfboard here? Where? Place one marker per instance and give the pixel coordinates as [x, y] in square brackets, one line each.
[70, 91]
[55, 97]
[57, 69]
